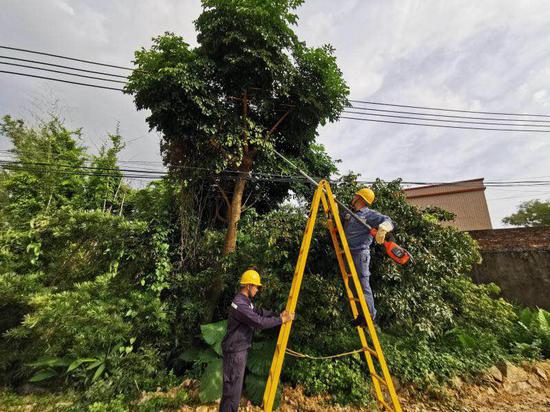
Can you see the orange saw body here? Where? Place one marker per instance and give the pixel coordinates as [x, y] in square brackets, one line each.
[396, 252]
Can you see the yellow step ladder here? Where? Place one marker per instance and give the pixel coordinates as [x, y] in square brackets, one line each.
[383, 385]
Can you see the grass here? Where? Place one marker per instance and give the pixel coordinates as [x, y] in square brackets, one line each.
[11, 401]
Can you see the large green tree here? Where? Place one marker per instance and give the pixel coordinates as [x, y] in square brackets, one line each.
[531, 213]
[249, 85]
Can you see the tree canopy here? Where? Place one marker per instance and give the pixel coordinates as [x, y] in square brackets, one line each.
[249, 84]
[530, 213]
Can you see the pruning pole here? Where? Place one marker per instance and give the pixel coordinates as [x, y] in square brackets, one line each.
[316, 184]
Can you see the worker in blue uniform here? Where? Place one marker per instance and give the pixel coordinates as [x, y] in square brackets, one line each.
[359, 241]
[243, 319]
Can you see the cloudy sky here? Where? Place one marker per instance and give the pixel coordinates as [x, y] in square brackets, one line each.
[486, 56]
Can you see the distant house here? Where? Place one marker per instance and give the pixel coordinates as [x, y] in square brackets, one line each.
[466, 199]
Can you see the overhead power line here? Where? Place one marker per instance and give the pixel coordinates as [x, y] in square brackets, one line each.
[444, 126]
[113, 172]
[351, 100]
[342, 117]
[61, 81]
[65, 57]
[447, 115]
[63, 66]
[257, 176]
[62, 72]
[442, 120]
[203, 169]
[448, 110]
[445, 120]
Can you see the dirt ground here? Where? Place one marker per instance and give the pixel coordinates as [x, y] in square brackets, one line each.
[505, 389]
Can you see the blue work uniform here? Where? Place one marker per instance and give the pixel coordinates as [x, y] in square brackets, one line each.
[359, 241]
[243, 319]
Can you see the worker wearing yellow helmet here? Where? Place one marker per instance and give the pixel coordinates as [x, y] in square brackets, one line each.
[243, 319]
[360, 239]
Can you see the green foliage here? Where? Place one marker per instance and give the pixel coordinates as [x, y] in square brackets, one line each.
[211, 381]
[58, 401]
[80, 282]
[243, 45]
[211, 378]
[43, 180]
[530, 213]
[209, 361]
[213, 334]
[533, 333]
[346, 379]
[103, 286]
[118, 404]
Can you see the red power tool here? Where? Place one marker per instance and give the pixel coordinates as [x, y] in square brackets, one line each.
[396, 252]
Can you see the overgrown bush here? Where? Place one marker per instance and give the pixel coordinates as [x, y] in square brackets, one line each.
[103, 287]
[80, 282]
[436, 323]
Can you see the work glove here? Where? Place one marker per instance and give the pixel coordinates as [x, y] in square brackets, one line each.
[383, 228]
[287, 316]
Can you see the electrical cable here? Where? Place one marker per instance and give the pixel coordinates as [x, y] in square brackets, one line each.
[65, 57]
[448, 110]
[62, 81]
[351, 100]
[341, 117]
[62, 66]
[277, 177]
[445, 120]
[444, 126]
[447, 115]
[62, 72]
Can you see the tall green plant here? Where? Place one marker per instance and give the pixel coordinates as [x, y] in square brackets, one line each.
[209, 360]
[78, 278]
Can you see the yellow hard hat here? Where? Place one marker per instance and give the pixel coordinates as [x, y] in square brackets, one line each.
[251, 277]
[367, 194]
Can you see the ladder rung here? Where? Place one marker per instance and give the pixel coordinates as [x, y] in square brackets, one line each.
[378, 378]
[384, 403]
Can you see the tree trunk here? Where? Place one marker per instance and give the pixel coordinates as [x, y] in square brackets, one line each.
[183, 227]
[230, 243]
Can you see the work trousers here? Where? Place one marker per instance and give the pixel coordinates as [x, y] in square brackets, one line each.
[361, 260]
[234, 365]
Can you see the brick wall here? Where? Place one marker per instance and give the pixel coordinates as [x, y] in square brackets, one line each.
[517, 260]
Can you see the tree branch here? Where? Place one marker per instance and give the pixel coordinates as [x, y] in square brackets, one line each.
[218, 216]
[246, 201]
[277, 123]
[224, 195]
